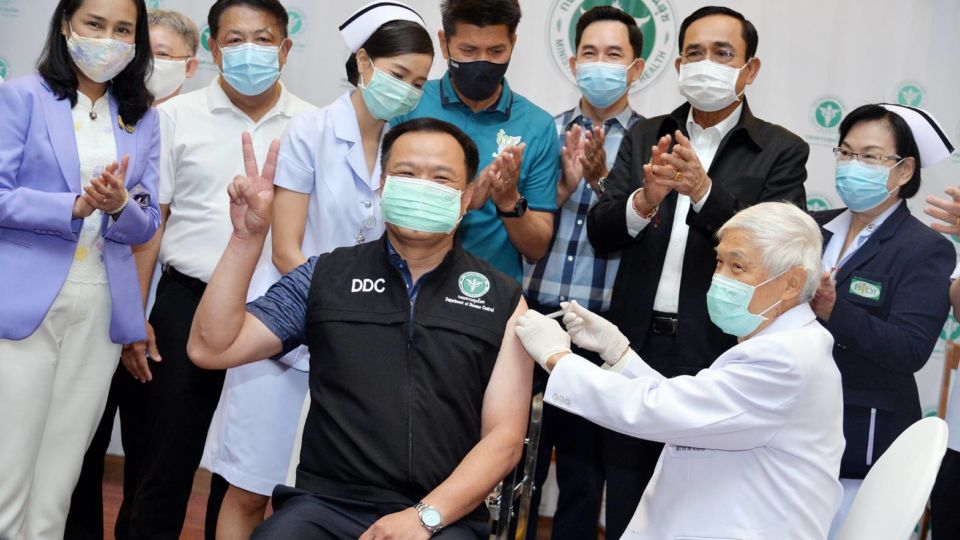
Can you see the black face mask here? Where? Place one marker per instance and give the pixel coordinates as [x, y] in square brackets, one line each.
[476, 80]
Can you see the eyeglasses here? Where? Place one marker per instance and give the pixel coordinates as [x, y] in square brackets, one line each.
[867, 159]
[721, 56]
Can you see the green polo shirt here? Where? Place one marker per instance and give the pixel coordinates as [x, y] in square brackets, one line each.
[513, 119]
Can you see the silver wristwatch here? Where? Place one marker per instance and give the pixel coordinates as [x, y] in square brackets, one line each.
[601, 185]
[430, 517]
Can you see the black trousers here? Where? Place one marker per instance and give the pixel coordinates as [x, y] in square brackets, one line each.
[180, 406]
[304, 516]
[629, 462]
[945, 498]
[85, 520]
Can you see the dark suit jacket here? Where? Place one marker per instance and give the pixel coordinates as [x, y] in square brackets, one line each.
[756, 161]
[883, 337]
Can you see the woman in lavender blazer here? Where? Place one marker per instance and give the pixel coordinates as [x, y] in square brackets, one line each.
[79, 146]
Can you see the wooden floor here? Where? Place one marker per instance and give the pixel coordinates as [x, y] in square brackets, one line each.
[193, 526]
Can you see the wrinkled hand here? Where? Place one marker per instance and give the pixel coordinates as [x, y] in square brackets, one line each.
[825, 298]
[135, 356]
[947, 211]
[594, 333]
[689, 177]
[542, 337]
[594, 157]
[504, 177]
[251, 196]
[108, 192]
[571, 157]
[657, 179]
[403, 525]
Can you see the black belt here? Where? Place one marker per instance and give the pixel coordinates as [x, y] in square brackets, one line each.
[192, 283]
[665, 324]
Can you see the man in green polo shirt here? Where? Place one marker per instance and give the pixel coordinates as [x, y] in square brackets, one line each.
[515, 194]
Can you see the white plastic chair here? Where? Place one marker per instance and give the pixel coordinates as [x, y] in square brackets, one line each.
[295, 455]
[891, 499]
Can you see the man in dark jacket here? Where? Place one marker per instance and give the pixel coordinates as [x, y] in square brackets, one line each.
[676, 180]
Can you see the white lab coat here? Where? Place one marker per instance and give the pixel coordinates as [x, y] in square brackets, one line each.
[753, 443]
[252, 433]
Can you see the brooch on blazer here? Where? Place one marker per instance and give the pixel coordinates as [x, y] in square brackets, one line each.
[128, 129]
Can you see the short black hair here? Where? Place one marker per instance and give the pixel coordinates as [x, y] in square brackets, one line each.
[432, 125]
[273, 7]
[610, 13]
[480, 13]
[128, 87]
[392, 39]
[747, 30]
[902, 136]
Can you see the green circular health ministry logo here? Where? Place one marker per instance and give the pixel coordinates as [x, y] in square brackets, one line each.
[827, 112]
[654, 17]
[817, 202]
[205, 38]
[910, 94]
[473, 284]
[295, 24]
[4, 69]
[154, 4]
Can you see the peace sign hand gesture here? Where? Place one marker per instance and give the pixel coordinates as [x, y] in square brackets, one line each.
[251, 196]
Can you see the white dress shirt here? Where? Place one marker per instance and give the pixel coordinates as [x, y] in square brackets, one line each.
[200, 155]
[705, 142]
[753, 443]
[96, 148]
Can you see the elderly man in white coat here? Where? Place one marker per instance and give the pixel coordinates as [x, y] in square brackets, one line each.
[753, 444]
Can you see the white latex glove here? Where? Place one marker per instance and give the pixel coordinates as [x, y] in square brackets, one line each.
[594, 333]
[542, 337]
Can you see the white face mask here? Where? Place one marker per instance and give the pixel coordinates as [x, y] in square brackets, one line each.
[100, 59]
[167, 77]
[709, 86]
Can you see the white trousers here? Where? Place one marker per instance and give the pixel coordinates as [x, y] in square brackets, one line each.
[53, 388]
[850, 488]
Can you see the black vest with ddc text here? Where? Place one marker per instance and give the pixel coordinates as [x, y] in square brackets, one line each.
[397, 386]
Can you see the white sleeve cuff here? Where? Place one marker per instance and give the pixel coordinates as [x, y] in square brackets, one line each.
[697, 206]
[635, 223]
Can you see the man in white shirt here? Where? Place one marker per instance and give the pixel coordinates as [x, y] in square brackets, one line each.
[664, 203]
[200, 156]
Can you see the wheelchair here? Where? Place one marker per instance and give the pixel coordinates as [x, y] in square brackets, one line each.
[509, 503]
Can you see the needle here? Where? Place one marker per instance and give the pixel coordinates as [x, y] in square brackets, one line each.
[555, 315]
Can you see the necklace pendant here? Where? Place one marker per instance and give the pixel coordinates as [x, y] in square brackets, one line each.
[93, 115]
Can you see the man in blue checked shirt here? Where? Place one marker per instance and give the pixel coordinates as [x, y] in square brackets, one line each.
[608, 43]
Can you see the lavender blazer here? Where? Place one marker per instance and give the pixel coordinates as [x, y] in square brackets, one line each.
[39, 182]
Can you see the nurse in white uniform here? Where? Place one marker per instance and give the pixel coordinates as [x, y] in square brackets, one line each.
[753, 443]
[327, 196]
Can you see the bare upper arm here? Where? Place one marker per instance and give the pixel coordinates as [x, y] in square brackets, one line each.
[507, 399]
[254, 342]
[289, 223]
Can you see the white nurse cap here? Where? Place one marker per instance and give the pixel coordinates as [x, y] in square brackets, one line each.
[933, 144]
[366, 20]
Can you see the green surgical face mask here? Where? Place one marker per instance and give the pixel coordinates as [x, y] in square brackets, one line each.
[387, 97]
[420, 205]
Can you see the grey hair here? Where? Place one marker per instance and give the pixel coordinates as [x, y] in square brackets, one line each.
[179, 23]
[786, 237]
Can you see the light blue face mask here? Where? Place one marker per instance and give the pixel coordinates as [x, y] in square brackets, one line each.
[601, 83]
[727, 302]
[863, 187]
[249, 68]
[420, 205]
[387, 97]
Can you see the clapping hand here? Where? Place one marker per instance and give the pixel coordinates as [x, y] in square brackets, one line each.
[825, 298]
[107, 192]
[251, 196]
[689, 177]
[657, 178]
[594, 156]
[946, 210]
[504, 179]
[571, 157]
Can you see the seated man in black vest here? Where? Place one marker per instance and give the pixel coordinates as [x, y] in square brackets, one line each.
[420, 388]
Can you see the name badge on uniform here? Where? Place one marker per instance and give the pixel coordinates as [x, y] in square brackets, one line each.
[866, 288]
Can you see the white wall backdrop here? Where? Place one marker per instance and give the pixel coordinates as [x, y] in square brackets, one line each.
[820, 59]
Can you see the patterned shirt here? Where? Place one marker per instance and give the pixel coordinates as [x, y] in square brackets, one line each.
[571, 270]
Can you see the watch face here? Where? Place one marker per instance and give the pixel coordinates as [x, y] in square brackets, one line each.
[431, 517]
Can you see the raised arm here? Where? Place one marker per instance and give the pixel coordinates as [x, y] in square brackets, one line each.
[223, 333]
